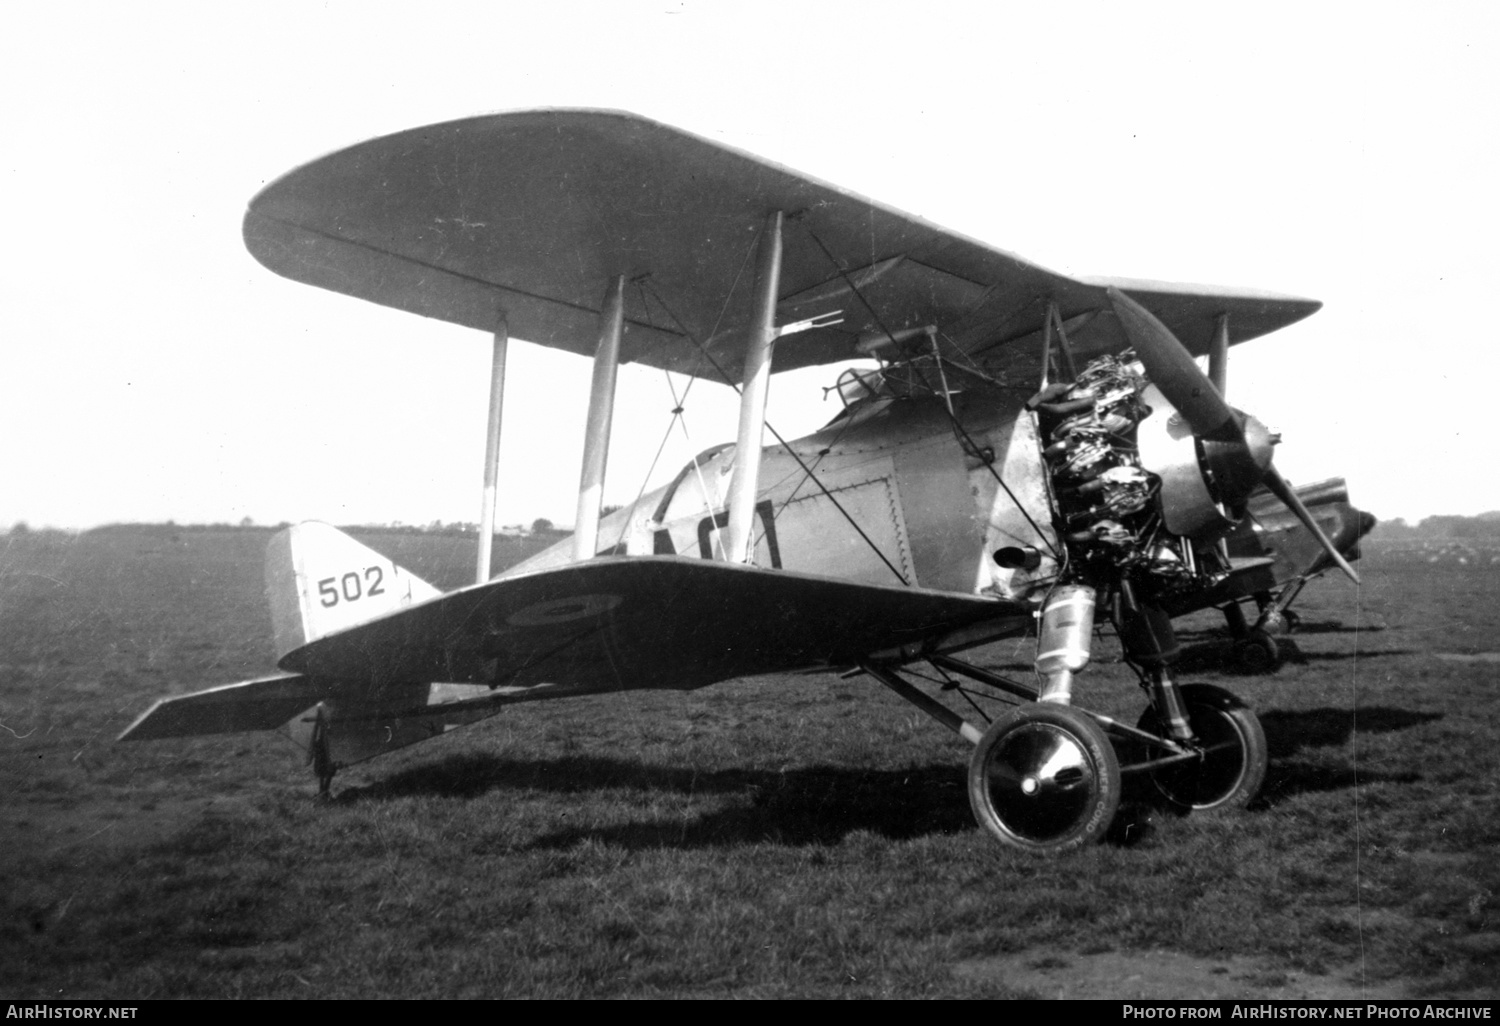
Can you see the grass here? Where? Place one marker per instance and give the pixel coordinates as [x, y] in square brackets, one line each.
[771, 837]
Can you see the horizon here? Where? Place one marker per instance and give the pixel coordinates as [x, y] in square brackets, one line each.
[158, 372]
[527, 524]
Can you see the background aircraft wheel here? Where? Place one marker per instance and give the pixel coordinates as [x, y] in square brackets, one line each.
[1045, 779]
[1233, 765]
[1257, 652]
[1275, 624]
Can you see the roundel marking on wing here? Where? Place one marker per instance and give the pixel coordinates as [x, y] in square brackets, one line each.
[563, 610]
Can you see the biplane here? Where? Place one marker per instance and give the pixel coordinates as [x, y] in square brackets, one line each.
[1289, 557]
[1020, 453]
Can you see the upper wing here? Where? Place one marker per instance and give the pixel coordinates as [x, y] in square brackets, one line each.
[534, 212]
[642, 622]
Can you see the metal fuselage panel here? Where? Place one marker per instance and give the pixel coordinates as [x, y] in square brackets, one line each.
[885, 495]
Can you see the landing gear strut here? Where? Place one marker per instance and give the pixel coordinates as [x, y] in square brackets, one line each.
[1220, 735]
[318, 754]
[1231, 753]
[1046, 777]
[1255, 650]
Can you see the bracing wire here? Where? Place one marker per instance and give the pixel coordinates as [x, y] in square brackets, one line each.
[959, 430]
[724, 375]
[676, 412]
[952, 685]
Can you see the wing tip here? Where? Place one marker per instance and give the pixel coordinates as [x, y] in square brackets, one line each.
[134, 732]
[1150, 286]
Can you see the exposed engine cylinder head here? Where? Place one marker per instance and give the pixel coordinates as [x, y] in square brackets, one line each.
[1131, 481]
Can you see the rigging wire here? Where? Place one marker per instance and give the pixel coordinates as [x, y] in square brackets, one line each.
[965, 440]
[781, 441]
[678, 417]
[676, 412]
[953, 685]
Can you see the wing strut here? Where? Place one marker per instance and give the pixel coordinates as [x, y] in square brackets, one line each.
[754, 392]
[1218, 356]
[492, 451]
[601, 413]
[1056, 330]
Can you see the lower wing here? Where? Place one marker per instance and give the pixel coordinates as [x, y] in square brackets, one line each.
[617, 623]
[608, 624]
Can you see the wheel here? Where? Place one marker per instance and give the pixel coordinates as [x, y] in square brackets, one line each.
[1232, 767]
[1277, 624]
[1257, 652]
[1045, 779]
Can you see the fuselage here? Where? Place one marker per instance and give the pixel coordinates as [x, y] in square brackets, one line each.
[891, 492]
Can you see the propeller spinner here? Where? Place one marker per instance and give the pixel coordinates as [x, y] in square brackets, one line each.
[1235, 448]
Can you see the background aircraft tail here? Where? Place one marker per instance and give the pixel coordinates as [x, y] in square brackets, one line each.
[319, 580]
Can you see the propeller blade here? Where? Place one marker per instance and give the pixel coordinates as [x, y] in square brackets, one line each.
[1284, 492]
[1172, 369]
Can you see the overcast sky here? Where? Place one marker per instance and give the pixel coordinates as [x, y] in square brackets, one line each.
[154, 370]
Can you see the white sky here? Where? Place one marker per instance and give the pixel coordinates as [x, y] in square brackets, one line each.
[153, 370]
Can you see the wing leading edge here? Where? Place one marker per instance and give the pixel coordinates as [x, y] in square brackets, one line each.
[534, 212]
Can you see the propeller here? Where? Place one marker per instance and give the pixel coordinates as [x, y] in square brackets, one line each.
[1236, 447]
[1288, 496]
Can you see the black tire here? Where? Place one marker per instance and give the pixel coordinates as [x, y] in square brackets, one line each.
[1233, 766]
[1257, 652]
[1045, 779]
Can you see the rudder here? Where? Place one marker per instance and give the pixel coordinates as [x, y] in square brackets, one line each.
[319, 581]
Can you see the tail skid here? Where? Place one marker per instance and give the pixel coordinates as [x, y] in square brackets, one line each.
[320, 581]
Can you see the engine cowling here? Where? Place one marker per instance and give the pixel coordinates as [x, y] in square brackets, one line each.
[1168, 448]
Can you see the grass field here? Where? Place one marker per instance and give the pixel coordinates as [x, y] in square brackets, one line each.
[770, 837]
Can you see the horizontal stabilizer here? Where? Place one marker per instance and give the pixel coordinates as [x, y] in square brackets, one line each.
[361, 723]
[362, 727]
[263, 704]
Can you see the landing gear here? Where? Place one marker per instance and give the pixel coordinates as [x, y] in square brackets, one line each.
[1232, 765]
[1275, 618]
[1045, 779]
[1257, 652]
[1255, 648]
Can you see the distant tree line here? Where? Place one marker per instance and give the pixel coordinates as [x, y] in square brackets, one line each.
[540, 527]
[1443, 527]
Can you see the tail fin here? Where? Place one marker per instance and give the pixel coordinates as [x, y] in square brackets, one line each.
[319, 580]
